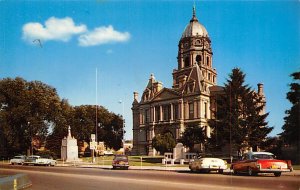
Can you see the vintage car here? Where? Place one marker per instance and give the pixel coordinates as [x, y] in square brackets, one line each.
[120, 161]
[17, 160]
[37, 160]
[253, 163]
[208, 164]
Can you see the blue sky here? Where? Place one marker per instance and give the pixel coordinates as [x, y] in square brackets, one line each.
[128, 40]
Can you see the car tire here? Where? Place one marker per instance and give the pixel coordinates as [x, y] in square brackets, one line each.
[220, 171]
[277, 174]
[250, 172]
[235, 172]
[114, 167]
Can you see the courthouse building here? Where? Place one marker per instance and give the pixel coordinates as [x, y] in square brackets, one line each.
[188, 102]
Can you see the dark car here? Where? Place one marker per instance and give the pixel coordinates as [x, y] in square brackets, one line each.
[120, 161]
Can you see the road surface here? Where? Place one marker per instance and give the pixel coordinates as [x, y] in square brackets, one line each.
[65, 178]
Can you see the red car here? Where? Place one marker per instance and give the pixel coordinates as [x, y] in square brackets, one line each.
[261, 162]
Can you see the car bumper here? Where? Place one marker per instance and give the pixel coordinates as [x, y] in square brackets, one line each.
[274, 170]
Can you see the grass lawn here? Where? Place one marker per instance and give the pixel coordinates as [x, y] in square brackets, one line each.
[133, 160]
[146, 161]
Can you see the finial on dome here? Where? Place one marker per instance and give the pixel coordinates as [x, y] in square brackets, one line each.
[194, 9]
[194, 13]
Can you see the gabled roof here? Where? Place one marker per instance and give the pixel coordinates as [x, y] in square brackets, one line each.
[194, 76]
[166, 93]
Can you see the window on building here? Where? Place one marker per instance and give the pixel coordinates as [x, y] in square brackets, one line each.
[198, 58]
[205, 109]
[175, 112]
[207, 61]
[157, 113]
[191, 110]
[147, 116]
[187, 62]
[167, 112]
[209, 76]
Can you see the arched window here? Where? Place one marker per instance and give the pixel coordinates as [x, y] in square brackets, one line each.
[207, 61]
[198, 58]
[187, 62]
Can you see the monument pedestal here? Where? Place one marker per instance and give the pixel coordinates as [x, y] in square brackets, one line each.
[69, 148]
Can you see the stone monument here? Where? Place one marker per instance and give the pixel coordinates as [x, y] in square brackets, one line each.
[69, 148]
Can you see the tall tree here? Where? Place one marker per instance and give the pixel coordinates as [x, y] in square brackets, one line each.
[27, 109]
[240, 121]
[193, 135]
[291, 127]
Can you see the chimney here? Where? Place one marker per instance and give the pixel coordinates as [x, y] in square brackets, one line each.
[260, 87]
[135, 96]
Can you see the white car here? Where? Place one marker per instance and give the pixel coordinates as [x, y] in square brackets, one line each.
[37, 160]
[17, 160]
[208, 164]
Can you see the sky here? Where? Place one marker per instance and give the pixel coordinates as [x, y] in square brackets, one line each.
[65, 43]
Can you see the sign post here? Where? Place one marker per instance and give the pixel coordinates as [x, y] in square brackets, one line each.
[93, 146]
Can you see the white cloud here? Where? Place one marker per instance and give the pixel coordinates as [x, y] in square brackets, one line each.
[54, 29]
[102, 35]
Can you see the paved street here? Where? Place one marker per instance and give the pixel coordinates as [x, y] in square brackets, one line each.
[96, 178]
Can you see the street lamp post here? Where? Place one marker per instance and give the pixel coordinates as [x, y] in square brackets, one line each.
[123, 119]
[31, 146]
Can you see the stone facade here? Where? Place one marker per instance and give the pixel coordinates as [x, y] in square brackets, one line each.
[189, 101]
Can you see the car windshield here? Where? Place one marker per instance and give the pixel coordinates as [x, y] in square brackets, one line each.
[263, 156]
[18, 157]
[120, 158]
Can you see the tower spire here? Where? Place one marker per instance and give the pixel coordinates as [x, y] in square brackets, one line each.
[194, 18]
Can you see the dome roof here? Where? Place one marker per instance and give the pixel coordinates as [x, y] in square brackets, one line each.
[194, 28]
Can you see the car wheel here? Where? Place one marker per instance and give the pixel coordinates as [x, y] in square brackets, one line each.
[277, 174]
[114, 167]
[250, 171]
[235, 172]
[220, 171]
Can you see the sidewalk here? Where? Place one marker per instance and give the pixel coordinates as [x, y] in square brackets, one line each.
[156, 168]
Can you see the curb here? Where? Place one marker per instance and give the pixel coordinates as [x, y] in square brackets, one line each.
[18, 181]
[176, 169]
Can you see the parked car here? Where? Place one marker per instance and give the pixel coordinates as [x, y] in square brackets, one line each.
[108, 153]
[17, 160]
[208, 164]
[37, 160]
[120, 161]
[253, 163]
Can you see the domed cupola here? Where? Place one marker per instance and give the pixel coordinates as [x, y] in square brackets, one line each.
[194, 28]
[194, 48]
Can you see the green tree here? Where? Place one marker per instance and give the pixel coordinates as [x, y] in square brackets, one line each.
[59, 127]
[164, 142]
[291, 127]
[27, 110]
[240, 121]
[193, 135]
[82, 120]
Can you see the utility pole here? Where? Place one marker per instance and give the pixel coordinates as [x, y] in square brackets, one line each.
[123, 121]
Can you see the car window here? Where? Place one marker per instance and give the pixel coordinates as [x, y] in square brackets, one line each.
[263, 156]
[120, 158]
